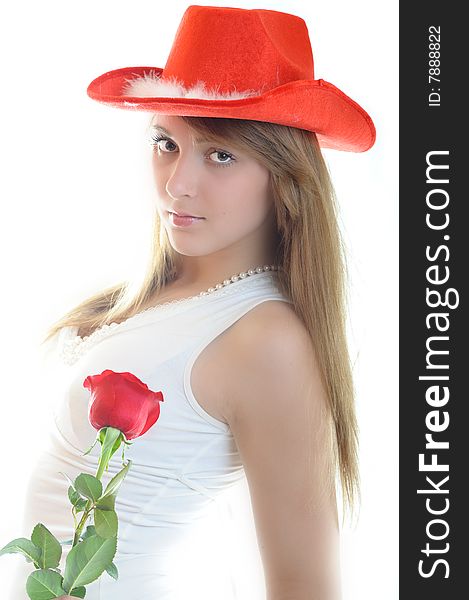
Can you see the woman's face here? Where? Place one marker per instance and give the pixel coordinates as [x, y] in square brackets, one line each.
[226, 188]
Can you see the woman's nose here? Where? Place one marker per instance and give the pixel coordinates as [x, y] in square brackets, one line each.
[183, 176]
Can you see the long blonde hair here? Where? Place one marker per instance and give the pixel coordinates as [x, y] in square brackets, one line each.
[310, 251]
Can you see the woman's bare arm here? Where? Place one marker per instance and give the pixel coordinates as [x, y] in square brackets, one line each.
[275, 411]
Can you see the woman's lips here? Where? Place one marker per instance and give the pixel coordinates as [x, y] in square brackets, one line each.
[180, 221]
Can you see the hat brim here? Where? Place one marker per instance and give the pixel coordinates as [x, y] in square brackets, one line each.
[315, 105]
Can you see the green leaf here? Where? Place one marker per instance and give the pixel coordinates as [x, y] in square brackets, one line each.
[23, 546]
[87, 560]
[73, 495]
[44, 584]
[89, 531]
[51, 550]
[81, 505]
[77, 501]
[112, 571]
[116, 481]
[105, 522]
[107, 502]
[79, 592]
[89, 486]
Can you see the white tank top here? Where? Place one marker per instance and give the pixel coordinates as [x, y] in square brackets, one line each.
[179, 466]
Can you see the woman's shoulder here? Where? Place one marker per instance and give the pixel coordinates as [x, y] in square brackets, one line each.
[269, 325]
[269, 353]
[269, 336]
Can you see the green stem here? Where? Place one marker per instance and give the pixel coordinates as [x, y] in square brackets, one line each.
[89, 507]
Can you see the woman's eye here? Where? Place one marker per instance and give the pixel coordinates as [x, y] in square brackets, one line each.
[223, 156]
[155, 141]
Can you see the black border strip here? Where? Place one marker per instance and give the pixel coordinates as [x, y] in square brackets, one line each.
[433, 260]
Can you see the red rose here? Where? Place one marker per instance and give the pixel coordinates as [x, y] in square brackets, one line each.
[122, 401]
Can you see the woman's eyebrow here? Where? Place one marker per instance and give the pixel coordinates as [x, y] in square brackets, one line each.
[199, 140]
[160, 128]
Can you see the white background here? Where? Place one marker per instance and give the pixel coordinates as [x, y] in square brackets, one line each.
[75, 203]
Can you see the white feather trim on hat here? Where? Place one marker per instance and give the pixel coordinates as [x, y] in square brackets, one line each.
[154, 86]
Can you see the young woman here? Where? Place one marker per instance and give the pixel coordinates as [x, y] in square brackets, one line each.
[239, 318]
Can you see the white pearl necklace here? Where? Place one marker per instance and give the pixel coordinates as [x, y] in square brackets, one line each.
[73, 346]
[241, 275]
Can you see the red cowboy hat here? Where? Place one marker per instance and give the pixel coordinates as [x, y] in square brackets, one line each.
[241, 64]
